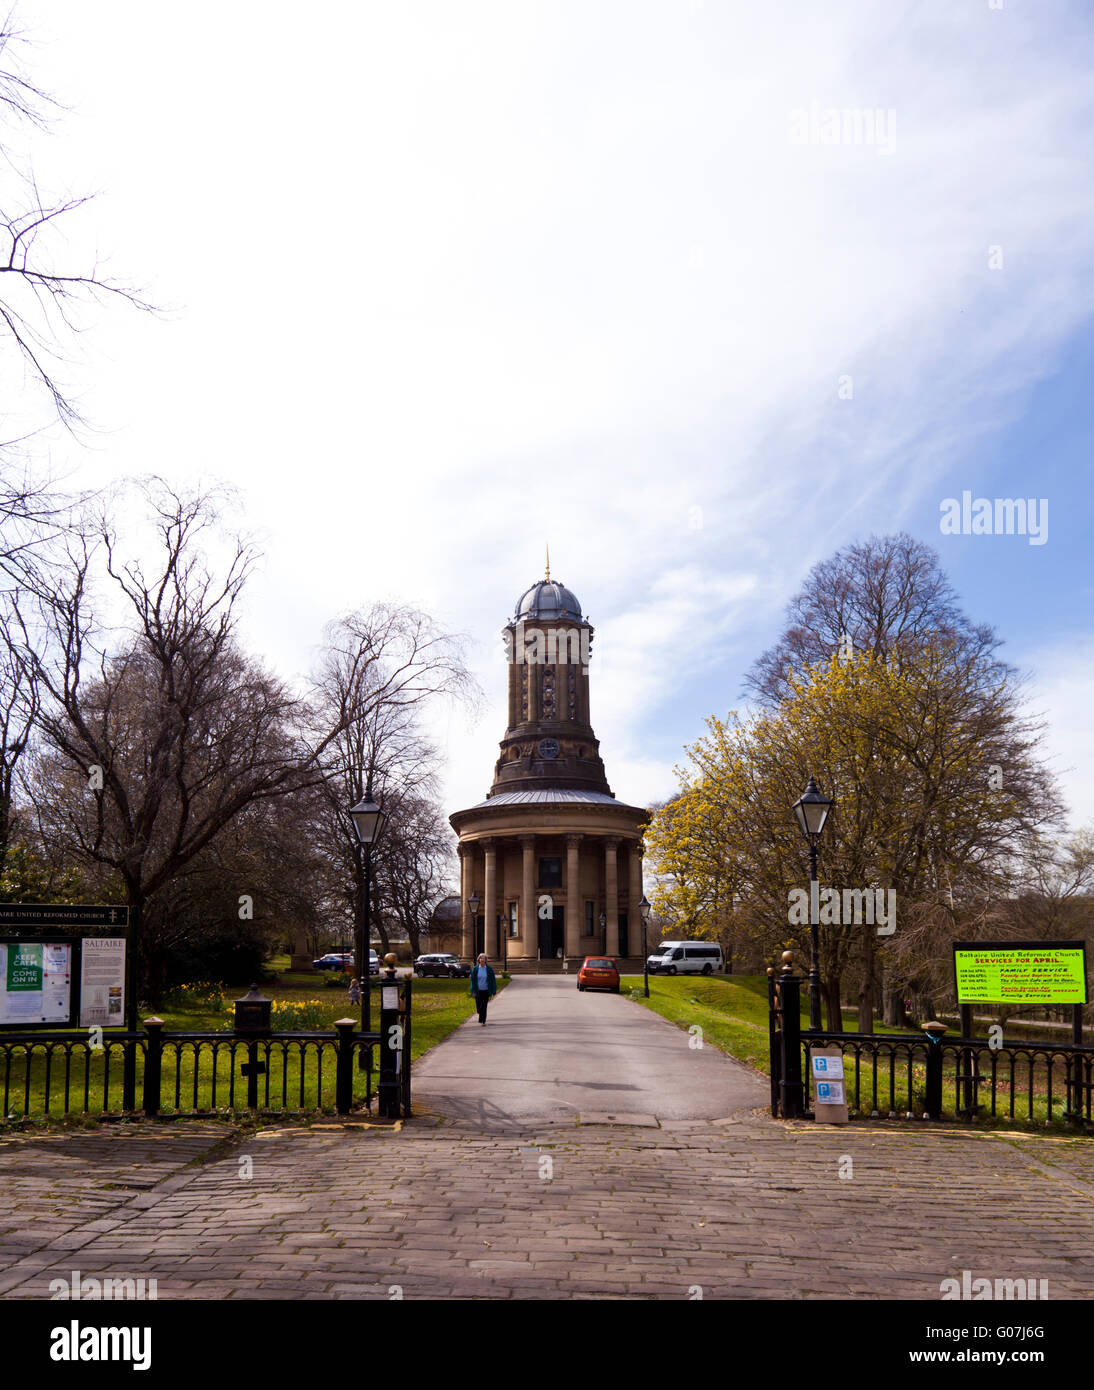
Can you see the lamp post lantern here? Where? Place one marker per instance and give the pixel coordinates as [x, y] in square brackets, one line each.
[473, 904]
[644, 909]
[811, 810]
[368, 821]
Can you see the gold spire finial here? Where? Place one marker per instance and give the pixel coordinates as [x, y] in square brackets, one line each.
[547, 575]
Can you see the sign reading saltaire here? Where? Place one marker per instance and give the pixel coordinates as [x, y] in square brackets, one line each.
[63, 915]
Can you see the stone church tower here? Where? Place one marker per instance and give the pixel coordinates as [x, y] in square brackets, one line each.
[554, 861]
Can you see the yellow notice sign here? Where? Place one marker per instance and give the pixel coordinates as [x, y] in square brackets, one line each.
[1020, 972]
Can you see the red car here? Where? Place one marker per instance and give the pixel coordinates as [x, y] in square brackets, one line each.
[598, 972]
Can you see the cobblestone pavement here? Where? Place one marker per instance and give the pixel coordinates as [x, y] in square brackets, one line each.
[59, 1189]
[743, 1207]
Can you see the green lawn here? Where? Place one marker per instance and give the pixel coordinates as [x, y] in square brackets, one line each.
[731, 1010]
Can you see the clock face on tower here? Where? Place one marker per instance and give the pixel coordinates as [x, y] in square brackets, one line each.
[548, 748]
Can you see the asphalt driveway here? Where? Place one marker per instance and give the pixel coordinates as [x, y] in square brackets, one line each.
[551, 1053]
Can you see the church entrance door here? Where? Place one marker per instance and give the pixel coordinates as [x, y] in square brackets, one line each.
[552, 933]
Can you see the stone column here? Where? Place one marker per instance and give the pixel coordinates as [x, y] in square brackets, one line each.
[490, 903]
[611, 896]
[575, 908]
[467, 869]
[529, 918]
[634, 916]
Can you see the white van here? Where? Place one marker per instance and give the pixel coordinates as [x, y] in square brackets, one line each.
[686, 958]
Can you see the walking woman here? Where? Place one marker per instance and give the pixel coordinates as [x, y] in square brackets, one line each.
[483, 986]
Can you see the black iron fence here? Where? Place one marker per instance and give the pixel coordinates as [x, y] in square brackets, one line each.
[930, 1076]
[904, 1077]
[162, 1073]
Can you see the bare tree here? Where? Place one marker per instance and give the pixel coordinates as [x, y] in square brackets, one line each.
[42, 298]
[45, 300]
[379, 672]
[18, 711]
[888, 599]
[415, 863]
[151, 750]
[887, 596]
[1048, 895]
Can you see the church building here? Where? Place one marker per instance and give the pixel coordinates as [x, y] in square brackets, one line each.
[550, 862]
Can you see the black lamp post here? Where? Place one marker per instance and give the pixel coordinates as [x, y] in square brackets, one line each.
[811, 809]
[503, 939]
[473, 904]
[644, 910]
[368, 821]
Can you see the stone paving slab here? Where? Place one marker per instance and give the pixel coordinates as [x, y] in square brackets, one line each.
[66, 1187]
[743, 1209]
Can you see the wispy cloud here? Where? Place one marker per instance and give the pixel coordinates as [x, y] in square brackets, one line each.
[493, 274]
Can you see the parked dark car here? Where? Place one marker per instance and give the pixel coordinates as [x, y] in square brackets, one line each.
[441, 963]
[334, 960]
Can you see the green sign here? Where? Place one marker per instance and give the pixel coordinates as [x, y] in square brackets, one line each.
[24, 967]
[1020, 972]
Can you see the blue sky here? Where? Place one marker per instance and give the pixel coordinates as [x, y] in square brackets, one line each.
[447, 282]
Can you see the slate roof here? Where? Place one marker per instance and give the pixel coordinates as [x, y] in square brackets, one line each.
[546, 797]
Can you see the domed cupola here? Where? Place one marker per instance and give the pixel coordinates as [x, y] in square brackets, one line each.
[546, 600]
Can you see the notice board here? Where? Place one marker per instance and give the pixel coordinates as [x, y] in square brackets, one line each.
[55, 973]
[36, 983]
[1020, 972]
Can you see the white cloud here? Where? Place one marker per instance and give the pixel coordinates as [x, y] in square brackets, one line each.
[453, 280]
[1062, 689]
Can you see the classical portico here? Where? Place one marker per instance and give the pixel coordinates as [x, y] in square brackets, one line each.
[553, 858]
